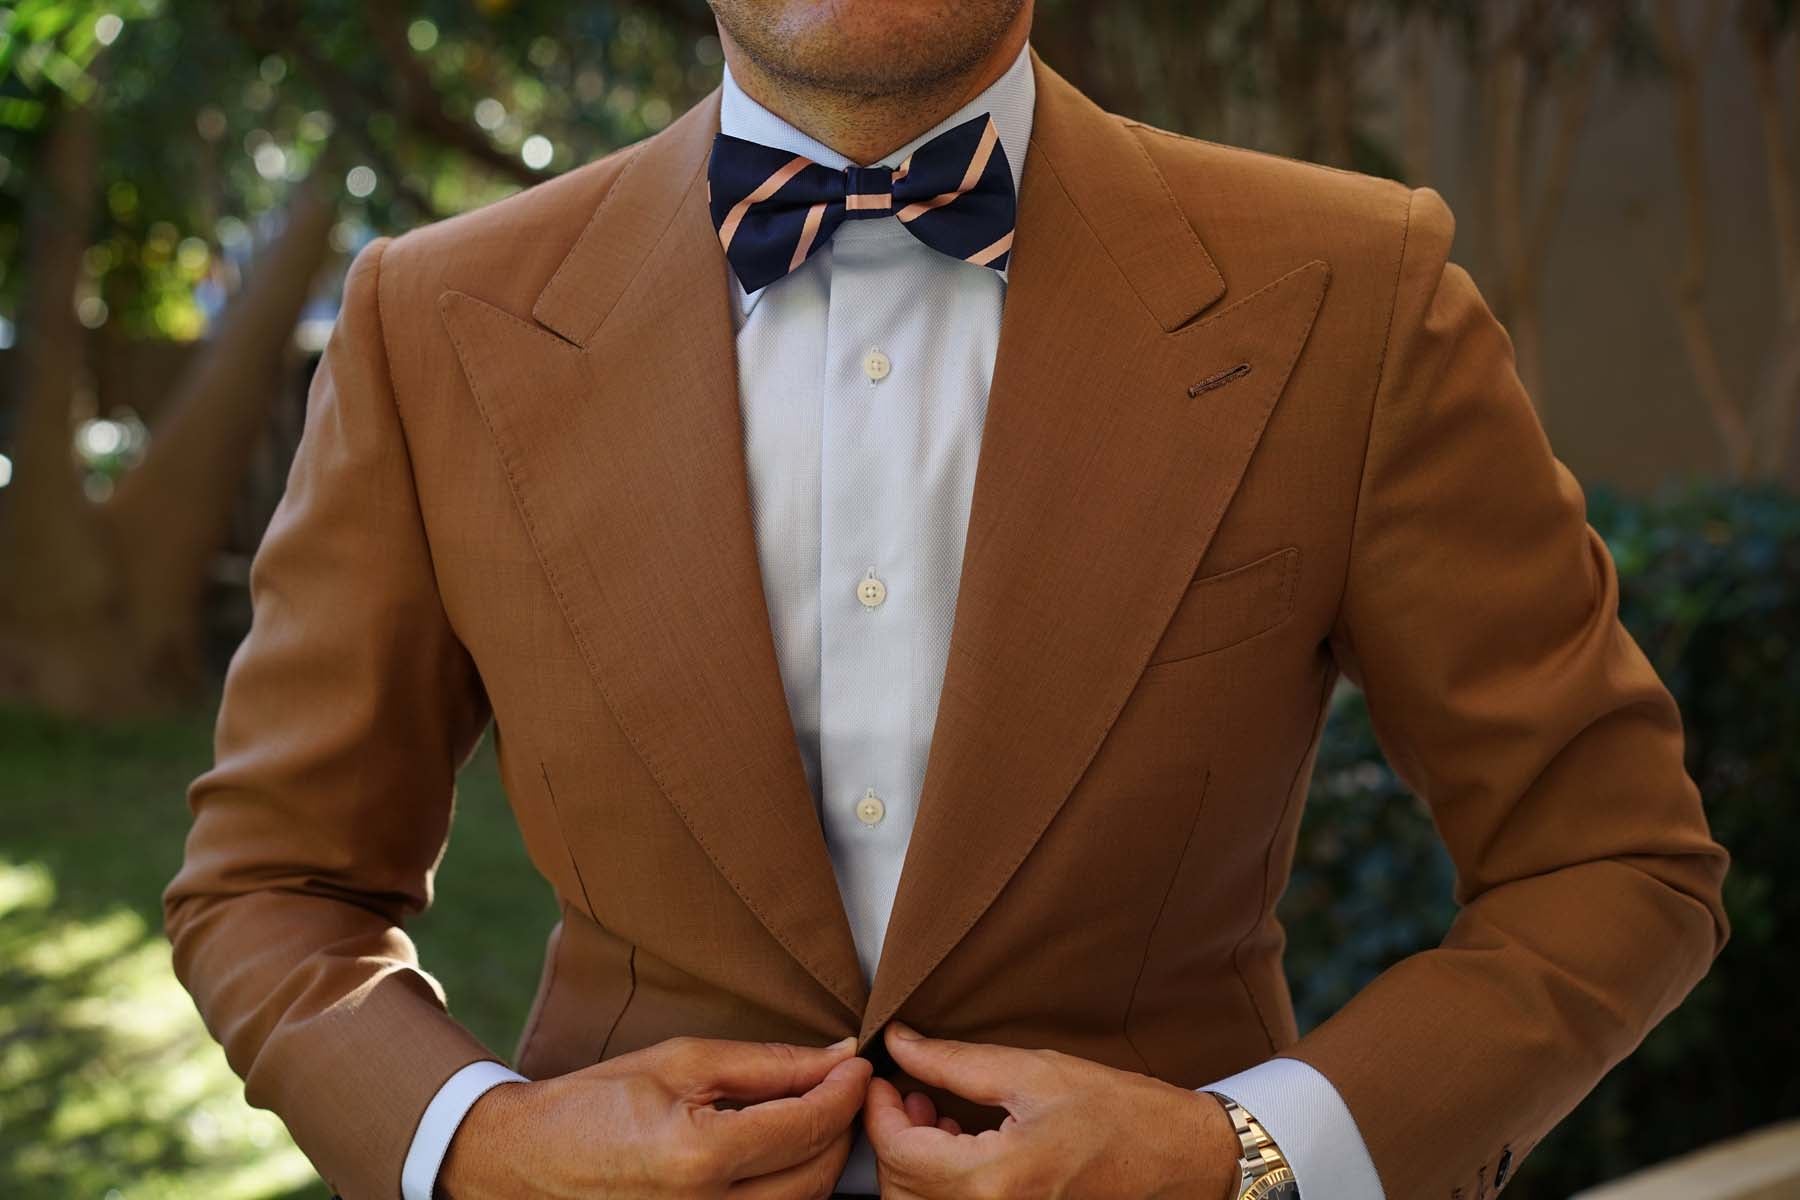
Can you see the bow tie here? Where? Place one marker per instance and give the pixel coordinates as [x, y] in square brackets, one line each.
[773, 208]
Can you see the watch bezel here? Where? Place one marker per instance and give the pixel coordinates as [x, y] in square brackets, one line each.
[1264, 1187]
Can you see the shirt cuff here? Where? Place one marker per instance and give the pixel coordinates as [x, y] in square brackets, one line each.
[1309, 1121]
[441, 1117]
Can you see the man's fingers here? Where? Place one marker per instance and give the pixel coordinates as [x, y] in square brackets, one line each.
[920, 1108]
[922, 1154]
[811, 1177]
[884, 1116]
[713, 1068]
[994, 1075]
[776, 1134]
[921, 1111]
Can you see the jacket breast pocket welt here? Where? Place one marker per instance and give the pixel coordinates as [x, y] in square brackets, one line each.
[1229, 607]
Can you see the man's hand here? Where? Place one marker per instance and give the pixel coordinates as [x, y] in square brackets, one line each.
[644, 1125]
[1074, 1128]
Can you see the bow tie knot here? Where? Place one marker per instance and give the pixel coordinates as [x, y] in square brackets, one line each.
[868, 191]
[774, 209]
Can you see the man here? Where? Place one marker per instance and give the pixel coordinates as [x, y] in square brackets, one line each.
[905, 525]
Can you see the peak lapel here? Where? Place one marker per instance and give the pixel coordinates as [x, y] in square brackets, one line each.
[618, 422]
[1100, 483]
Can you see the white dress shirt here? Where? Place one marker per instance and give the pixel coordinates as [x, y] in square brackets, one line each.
[863, 378]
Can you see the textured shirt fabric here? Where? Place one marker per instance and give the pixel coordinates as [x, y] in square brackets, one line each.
[863, 377]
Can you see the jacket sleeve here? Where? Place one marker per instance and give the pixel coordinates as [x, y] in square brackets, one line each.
[346, 713]
[1480, 618]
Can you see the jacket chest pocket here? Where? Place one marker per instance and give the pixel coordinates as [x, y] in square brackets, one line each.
[1232, 606]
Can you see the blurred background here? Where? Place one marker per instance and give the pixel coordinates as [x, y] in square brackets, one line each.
[182, 185]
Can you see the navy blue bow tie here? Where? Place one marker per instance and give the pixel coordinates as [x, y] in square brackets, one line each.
[774, 208]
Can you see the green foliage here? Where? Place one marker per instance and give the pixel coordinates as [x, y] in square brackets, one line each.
[1710, 587]
[211, 113]
[1710, 583]
[108, 1080]
[1371, 882]
[47, 45]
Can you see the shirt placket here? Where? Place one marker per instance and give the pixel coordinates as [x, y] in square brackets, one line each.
[868, 581]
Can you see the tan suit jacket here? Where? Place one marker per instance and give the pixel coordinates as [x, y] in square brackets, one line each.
[1247, 430]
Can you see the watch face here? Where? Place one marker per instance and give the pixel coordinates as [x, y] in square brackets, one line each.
[1276, 1185]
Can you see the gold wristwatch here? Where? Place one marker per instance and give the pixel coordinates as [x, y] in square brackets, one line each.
[1265, 1173]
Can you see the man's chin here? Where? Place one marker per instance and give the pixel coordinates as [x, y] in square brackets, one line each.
[867, 47]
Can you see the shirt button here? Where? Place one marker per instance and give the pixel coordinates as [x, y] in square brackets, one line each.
[871, 592]
[870, 809]
[876, 366]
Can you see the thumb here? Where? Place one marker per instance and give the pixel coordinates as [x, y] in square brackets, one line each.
[1000, 1076]
[715, 1068]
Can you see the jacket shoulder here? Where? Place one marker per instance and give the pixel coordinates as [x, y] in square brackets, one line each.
[504, 251]
[1261, 213]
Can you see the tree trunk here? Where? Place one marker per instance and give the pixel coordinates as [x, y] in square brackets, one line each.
[1690, 286]
[1516, 301]
[1417, 98]
[1295, 85]
[1778, 390]
[1336, 50]
[101, 613]
[172, 512]
[55, 587]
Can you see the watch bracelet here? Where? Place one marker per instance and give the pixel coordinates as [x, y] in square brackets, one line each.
[1258, 1153]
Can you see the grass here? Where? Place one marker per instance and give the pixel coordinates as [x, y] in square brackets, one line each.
[110, 1087]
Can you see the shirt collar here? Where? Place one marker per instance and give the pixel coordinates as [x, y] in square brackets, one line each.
[1009, 100]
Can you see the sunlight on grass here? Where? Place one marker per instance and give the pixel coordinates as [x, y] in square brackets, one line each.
[110, 1087]
[109, 1084]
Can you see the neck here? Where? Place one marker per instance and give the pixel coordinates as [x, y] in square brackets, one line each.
[864, 128]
